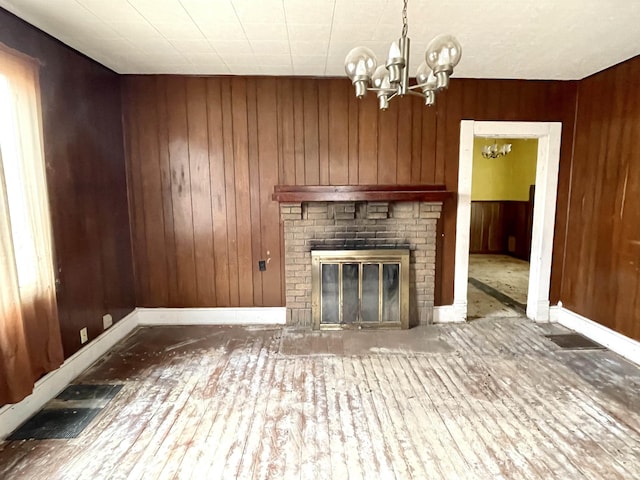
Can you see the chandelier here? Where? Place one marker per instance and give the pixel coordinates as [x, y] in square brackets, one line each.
[495, 151]
[392, 79]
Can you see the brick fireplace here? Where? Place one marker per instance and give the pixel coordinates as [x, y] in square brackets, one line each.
[349, 218]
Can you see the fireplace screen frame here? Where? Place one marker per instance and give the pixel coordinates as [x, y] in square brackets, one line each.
[360, 257]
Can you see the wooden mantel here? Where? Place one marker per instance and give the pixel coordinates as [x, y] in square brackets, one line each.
[364, 193]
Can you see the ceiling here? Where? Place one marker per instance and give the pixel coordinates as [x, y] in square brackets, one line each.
[529, 39]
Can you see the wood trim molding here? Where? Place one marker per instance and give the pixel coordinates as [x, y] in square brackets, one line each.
[614, 341]
[342, 193]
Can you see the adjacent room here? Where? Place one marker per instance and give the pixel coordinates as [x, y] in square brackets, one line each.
[319, 239]
[502, 194]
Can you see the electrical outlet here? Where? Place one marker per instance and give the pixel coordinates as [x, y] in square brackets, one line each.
[107, 321]
[84, 335]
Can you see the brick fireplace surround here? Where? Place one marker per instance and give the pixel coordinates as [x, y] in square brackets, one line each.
[343, 225]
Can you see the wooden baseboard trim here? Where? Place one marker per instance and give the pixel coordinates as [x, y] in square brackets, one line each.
[449, 314]
[212, 316]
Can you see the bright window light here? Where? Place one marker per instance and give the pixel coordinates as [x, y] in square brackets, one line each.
[23, 241]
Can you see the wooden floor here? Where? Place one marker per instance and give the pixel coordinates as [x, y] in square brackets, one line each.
[489, 399]
[504, 273]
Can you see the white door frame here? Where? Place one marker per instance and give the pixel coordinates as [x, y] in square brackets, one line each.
[544, 209]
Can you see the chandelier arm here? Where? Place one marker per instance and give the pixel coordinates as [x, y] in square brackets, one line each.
[416, 94]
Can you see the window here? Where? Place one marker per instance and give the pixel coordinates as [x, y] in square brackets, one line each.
[10, 153]
[30, 343]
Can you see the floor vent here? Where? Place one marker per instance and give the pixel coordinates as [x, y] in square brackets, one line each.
[574, 341]
[67, 415]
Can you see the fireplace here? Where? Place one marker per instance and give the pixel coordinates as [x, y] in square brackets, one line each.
[360, 288]
[350, 235]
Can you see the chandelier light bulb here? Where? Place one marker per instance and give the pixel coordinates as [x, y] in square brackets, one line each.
[495, 151]
[360, 64]
[380, 78]
[394, 51]
[443, 54]
[380, 81]
[360, 61]
[428, 83]
[395, 63]
[423, 73]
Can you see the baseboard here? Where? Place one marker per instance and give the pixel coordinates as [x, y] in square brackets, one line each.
[213, 316]
[449, 314]
[12, 416]
[614, 341]
[541, 313]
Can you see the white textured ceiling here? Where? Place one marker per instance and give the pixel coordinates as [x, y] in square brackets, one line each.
[530, 39]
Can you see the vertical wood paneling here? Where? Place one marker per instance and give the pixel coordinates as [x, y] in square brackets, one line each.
[417, 140]
[298, 123]
[354, 122]
[494, 222]
[243, 199]
[286, 132]
[217, 175]
[263, 132]
[368, 142]
[323, 130]
[388, 144]
[133, 112]
[178, 132]
[230, 189]
[405, 141]
[600, 274]
[311, 132]
[254, 188]
[270, 231]
[200, 189]
[151, 179]
[338, 134]
[167, 200]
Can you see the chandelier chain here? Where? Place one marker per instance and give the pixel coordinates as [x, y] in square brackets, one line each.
[405, 25]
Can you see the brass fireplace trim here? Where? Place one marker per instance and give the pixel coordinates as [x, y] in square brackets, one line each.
[380, 256]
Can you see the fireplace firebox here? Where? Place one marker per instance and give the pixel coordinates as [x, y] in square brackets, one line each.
[360, 289]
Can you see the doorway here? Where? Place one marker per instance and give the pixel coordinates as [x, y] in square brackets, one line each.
[546, 177]
[502, 193]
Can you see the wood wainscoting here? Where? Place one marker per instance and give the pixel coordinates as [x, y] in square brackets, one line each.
[501, 227]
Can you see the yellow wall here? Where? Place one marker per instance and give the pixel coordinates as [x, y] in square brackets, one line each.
[504, 178]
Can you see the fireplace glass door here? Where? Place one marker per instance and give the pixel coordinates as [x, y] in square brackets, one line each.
[360, 288]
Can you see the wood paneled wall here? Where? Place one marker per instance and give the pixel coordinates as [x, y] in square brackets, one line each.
[494, 222]
[205, 153]
[601, 268]
[86, 177]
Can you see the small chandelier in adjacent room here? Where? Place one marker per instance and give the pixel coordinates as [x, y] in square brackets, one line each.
[495, 151]
[392, 79]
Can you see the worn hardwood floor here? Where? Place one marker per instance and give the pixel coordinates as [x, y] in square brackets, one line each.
[489, 399]
[506, 274]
